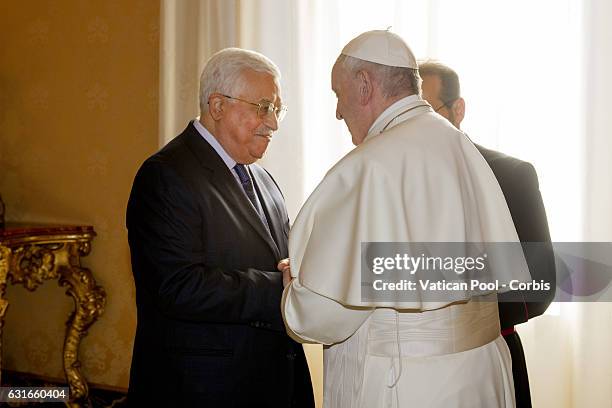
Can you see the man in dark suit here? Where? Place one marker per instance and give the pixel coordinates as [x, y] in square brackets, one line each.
[207, 228]
[519, 183]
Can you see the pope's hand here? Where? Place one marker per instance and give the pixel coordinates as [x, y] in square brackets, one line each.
[285, 268]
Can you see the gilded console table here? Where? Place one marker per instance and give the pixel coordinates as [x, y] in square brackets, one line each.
[31, 254]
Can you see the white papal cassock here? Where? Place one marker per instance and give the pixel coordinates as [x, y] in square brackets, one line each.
[415, 178]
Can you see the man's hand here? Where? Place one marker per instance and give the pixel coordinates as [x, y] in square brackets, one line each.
[285, 268]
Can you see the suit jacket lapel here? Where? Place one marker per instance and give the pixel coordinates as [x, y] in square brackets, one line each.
[275, 219]
[227, 186]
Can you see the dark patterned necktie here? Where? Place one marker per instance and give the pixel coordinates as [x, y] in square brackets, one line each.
[249, 189]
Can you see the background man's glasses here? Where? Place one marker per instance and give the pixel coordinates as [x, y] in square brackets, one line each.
[448, 104]
[265, 108]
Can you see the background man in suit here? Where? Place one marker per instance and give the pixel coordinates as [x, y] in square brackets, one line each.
[207, 227]
[519, 183]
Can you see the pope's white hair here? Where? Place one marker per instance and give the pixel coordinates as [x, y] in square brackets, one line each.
[223, 72]
[393, 81]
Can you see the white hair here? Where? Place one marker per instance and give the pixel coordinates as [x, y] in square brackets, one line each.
[223, 72]
[393, 81]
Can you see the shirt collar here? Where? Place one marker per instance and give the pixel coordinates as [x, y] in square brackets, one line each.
[229, 162]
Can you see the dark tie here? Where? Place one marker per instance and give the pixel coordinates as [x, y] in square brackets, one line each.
[249, 189]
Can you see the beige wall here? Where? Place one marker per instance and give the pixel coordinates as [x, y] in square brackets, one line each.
[78, 114]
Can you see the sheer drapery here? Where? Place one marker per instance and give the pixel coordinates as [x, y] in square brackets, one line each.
[535, 78]
[191, 31]
[568, 352]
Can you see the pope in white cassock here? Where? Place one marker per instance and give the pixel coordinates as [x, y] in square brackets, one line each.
[413, 177]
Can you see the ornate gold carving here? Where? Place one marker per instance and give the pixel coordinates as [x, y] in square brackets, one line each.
[4, 263]
[30, 260]
[4, 268]
[89, 300]
[84, 248]
[32, 264]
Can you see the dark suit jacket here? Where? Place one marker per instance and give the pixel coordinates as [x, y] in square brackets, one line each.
[209, 331]
[519, 183]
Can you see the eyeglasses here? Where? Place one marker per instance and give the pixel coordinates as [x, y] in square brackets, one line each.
[447, 104]
[265, 108]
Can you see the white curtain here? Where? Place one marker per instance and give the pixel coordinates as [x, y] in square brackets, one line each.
[568, 352]
[191, 30]
[535, 76]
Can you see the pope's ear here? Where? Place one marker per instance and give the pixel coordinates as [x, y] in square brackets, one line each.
[459, 110]
[215, 106]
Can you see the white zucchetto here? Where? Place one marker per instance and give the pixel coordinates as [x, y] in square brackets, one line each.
[382, 47]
